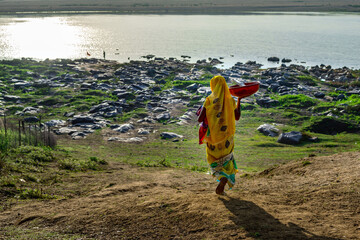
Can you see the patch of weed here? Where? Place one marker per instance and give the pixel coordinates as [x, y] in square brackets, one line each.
[304, 163]
[198, 168]
[29, 193]
[7, 182]
[161, 163]
[97, 160]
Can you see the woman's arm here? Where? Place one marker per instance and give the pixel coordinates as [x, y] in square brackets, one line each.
[202, 114]
[237, 110]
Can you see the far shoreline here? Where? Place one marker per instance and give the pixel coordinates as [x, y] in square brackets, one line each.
[266, 12]
[196, 7]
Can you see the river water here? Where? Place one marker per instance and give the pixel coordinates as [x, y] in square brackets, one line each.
[306, 38]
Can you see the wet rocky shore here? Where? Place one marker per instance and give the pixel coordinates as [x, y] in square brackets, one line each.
[140, 94]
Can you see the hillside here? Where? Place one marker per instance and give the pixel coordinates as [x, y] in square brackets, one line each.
[316, 200]
[178, 7]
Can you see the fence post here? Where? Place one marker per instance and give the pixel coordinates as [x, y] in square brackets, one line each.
[35, 129]
[49, 136]
[19, 133]
[29, 134]
[44, 135]
[23, 130]
[5, 125]
[40, 130]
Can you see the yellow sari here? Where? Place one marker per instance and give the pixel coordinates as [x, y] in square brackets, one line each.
[220, 114]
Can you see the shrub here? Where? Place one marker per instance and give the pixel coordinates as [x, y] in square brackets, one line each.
[4, 142]
[68, 164]
[97, 160]
[37, 154]
[7, 182]
[81, 165]
[2, 162]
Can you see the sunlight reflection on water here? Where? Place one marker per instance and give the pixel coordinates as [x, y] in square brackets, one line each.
[42, 38]
[314, 39]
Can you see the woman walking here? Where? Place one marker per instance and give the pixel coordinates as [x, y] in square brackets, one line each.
[220, 111]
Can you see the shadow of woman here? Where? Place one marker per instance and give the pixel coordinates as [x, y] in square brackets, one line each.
[258, 223]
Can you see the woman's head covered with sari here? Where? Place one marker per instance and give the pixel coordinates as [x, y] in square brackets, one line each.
[220, 108]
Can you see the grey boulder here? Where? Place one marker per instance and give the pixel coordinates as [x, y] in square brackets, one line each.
[291, 138]
[163, 116]
[124, 128]
[268, 130]
[169, 135]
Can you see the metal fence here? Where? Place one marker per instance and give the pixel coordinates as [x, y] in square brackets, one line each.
[18, 132]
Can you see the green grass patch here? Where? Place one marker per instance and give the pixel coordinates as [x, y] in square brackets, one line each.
[353, 100]
[204, 80]
[296, 101]
[253, 151]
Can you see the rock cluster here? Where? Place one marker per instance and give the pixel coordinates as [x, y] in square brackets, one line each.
[140, 87]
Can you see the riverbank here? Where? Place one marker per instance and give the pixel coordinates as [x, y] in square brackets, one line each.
[163, 7]
[127, 163]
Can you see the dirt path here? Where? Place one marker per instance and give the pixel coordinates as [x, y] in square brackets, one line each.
[314, 198]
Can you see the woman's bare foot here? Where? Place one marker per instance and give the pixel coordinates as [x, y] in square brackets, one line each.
[220, 188]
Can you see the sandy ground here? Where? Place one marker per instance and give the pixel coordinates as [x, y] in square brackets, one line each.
[313, 198]
[175, 6]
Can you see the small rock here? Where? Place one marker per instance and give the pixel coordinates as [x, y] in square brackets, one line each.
[70, 114]
[82, 119]
[291, 138]
[169, 135]
[143, 131]
[31, 119]
[124, 128]
[65, 130]
[273, 59]
[163, 116]
[285, 60]
[268, 130]
[53, 123]
[319, 95]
